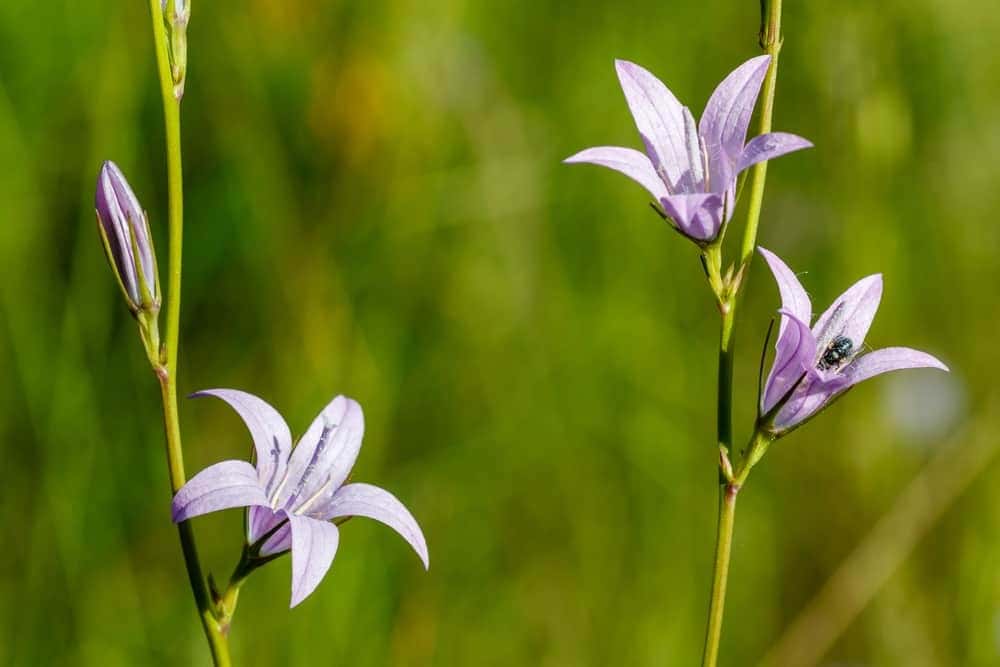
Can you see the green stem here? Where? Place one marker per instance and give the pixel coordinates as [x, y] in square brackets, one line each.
[770, 41]
[730, 484]
[723, 547]
[167, 371]
[724, 417]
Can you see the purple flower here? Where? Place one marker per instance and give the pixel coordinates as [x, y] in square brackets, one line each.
[812, 367]
[691, 171]
[294, 494]
[127, 241]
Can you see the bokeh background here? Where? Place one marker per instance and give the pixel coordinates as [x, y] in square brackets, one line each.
[376, 206]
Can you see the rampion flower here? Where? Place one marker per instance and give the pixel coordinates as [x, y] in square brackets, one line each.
[691, 172]
[127, 241]
[812, 367]
[295, 494]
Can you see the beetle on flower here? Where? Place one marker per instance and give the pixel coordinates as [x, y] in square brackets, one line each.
[295, 496]
[691, 171]
[814, 366]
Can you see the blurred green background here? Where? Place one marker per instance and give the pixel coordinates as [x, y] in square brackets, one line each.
[376, 206]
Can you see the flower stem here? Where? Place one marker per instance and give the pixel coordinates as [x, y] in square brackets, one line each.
[166, 371]
[730, 484]
[770, 41]
[723, 547]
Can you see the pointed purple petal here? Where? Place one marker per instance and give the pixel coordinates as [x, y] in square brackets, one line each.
[889, 359]
[807, 399]
[659, 118]
[851, 314]
[314, 544]
[698, 216]
[793, 296]
[627, 161]
[793, 357]
[281, 539]
[271, 438]
[770, 146]
[324, 456]
[261, 521]
[218, 487]
[726, 118]
[375, 503]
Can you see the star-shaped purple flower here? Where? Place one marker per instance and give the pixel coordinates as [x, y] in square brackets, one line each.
[691, 171]
[295, 494]
[814, 366]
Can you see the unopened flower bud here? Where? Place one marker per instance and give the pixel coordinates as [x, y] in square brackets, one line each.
[176, 14]
[127, 241]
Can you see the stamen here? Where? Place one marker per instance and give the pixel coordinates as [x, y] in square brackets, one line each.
[304, 507]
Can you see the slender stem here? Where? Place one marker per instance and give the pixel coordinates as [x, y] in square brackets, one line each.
[770, 41]
[167, 371]
[724, 417]
[723, 547]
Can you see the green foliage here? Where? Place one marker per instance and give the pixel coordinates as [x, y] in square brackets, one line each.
[375, 206]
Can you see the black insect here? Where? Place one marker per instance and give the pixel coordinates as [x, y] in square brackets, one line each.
[839, 349]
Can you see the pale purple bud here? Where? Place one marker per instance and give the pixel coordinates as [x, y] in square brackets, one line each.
[125, 231]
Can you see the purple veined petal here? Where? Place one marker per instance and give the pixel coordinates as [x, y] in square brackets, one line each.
[627, 161]
[726, 118]
[769, 146]
[889, 359]
[115, 223]
[659, 118]
[281, 540]
[375, 503]
[694, 179]
[794, 353]
[218, 487]
[698, 216]
[261, 520]
[793, 296]
[807, 399]
[314, 545]
[135, 218]
[851, 314]
[324, 456]
[271, 438]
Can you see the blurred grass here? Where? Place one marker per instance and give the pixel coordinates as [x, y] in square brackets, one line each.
[376, 207]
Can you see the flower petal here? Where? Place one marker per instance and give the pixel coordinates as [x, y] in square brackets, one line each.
[794, 353]
[627, 161]
[218, 487]
[793, 296]
[324, 456]
[812, 395]
[851, 314]
[271, 438]
[262, 520]
[769, 146]
[660, 120]
[889, 359]
[375, 503]
[724, 123]
[314, 544]
[698, 216]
